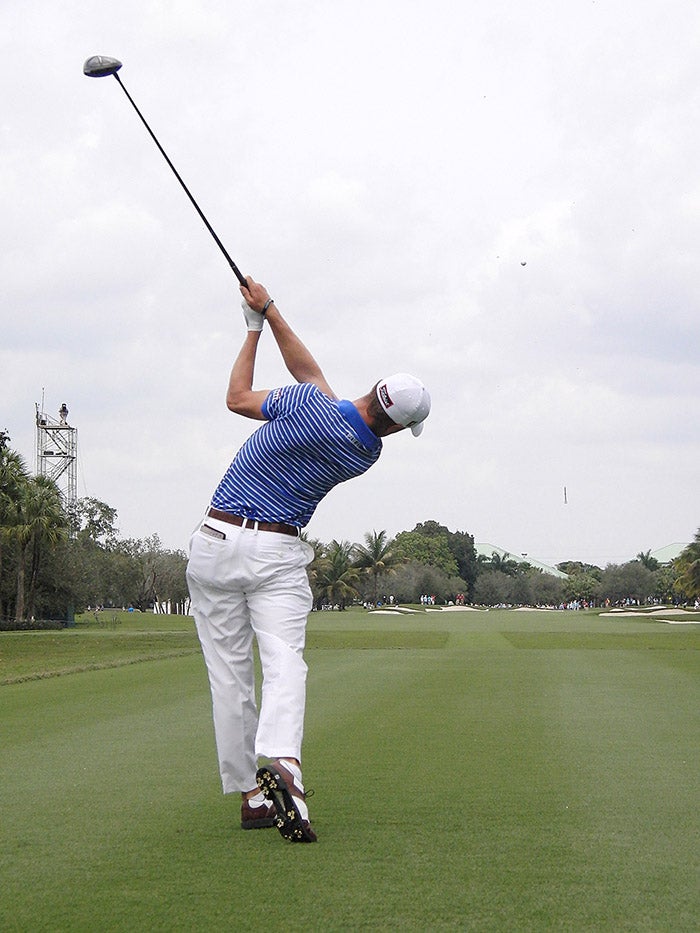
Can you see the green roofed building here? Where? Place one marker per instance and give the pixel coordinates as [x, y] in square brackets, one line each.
[665, 555]
[488, 550]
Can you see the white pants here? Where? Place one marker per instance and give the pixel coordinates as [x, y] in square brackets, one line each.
[251, 583]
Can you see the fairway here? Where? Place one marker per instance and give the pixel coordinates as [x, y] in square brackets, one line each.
[473, 771]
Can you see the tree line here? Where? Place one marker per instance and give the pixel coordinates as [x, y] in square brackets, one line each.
[56, 560]
[431, 560]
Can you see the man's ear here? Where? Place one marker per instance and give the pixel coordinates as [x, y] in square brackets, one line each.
[394, 429]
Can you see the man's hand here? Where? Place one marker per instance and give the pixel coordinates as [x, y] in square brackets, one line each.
[297, 358]
[255, 295]
[253, 319]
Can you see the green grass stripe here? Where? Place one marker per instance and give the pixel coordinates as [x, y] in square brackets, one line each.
[465, 788]
[37, 655]
[674, 640]
[376, 639]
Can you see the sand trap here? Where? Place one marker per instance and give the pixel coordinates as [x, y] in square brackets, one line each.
[676, 612]
[454, 609]
[640, 613]
[395, 610]
[679, 621]
[618, 613]
[458, 609]
[640, 609]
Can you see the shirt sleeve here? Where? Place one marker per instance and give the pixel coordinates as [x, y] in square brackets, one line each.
[286, 399]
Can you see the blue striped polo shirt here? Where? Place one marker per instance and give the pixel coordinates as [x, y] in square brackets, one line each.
[308, 445]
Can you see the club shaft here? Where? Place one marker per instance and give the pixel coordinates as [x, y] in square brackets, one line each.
[237, 272]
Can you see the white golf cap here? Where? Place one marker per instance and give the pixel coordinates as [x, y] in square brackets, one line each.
[405, 400]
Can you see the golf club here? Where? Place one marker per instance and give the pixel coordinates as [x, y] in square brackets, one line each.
[99, 66]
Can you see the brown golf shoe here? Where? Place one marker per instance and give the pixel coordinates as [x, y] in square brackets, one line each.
[257, 817]
[285, 792]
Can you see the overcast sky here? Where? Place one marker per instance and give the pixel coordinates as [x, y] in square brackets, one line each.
[502, 198]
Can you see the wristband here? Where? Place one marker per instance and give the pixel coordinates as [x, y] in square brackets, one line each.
[270, 301]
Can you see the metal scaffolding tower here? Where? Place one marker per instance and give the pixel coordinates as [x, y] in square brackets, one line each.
[57, 451]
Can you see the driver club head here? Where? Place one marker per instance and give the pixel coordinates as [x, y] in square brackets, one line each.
[100, 65]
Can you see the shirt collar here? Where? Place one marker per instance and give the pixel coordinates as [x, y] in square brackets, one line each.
[353, 417]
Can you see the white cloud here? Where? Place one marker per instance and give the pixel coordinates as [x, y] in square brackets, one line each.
[386, 168]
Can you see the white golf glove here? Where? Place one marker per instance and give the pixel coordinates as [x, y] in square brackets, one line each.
[254, 320]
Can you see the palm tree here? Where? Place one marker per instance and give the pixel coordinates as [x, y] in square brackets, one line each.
[335, 575]
[41, 522]
[375, 557]
[13, 476]
[646, 560]
[503, 563]
[687, 568]
[318, 549]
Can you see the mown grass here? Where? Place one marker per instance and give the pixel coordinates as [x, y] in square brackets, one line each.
[489, 772]
[95, 643]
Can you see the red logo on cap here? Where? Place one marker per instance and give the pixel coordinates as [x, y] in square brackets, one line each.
[385, 397]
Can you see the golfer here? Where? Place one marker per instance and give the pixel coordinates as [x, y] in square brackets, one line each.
[247, 563]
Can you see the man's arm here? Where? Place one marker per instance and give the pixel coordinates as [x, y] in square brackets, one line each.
[240, 397]
[296, 356]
